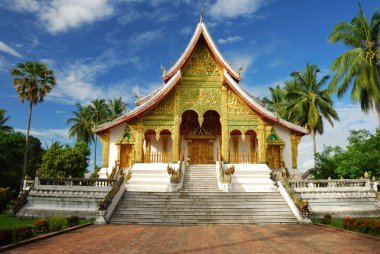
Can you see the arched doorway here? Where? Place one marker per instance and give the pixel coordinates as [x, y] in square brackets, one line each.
[200, 135]
[157, 148]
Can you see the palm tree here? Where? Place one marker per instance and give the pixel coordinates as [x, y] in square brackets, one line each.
[359, 66]
[81, 124]
[309, 102]
[3, 119]
[33, 81]
[277, 102]
[98, 114]
[116, 107]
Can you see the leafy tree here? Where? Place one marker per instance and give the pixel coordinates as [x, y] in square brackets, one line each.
[3, 120]
[116, 107]
[359, 66]
[65, 161]
[98, 115]
[81, 124]
[33, 81]
[309, 103]
[276, 103]
[12, 147]
[362, 154]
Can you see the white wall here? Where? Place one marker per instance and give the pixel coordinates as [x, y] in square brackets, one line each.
[284, 134]
[115, 134]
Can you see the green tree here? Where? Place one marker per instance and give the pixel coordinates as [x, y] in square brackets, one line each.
[33, 81]
[65, 161]
[359, 66]
[81, 124]
[12, 147]
[277, 102]
[98, 115]
[362, 154]
[3, 120]
[309, 103]
[116, 107]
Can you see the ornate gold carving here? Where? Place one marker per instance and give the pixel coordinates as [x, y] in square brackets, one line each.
[176, 126]
[201, 61]
[295, 140]
[236, 106]
[200, 99]
[223, 120]
[166, 106]
[105, 141]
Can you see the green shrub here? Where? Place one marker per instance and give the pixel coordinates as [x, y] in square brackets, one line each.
[56, 222]
[41, 226]
[23, 232]
[5, 236]
[5, 198]
[72, 221]
[326, 219]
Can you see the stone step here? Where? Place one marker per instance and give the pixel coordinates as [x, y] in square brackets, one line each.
[204, 221]
[218, 211]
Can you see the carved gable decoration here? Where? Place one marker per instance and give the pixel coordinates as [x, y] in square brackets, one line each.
[236, 106]
[201, 62]
[274, 139]
[166, 106]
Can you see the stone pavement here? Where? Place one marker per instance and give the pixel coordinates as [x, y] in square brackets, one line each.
[204, 239]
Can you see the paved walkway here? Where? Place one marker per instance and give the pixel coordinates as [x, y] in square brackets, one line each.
[204, 239]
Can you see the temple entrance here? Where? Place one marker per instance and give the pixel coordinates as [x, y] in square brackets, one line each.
[200, 135]
[200, 151]
[125, 155]
[273, 156]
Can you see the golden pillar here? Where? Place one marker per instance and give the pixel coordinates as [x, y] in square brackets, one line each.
[139, 140]
[262, 144]
[176, 128]
[295, 140]
[105, 141]
[224, 122]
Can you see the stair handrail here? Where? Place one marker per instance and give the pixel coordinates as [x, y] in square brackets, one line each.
[107, 200]
[302, 205]
[175, 175]
[225, 174]
[115, 170]
[21, 200]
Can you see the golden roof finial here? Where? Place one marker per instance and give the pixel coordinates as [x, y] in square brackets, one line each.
[201, 16]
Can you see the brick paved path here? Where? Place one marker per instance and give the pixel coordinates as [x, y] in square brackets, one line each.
[204, 239]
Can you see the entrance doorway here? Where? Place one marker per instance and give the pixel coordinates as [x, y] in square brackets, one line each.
[200, 134]
[273, 156]
[125, 155]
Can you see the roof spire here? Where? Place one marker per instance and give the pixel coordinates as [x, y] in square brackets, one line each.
[201, 16]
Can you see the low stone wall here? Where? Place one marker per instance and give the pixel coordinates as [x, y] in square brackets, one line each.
[339, 198]
[68, 198]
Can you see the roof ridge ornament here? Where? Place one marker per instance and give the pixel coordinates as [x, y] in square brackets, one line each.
[201, 16]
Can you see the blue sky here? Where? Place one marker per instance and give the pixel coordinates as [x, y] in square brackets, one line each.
[107, 48]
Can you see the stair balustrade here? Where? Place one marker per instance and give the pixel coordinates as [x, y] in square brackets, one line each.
[76, 182]
[302, 205]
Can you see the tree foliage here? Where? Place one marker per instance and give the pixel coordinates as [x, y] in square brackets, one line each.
[65, 161]
[12, 146]
[3, 120]
[359, 66]
[362, 154]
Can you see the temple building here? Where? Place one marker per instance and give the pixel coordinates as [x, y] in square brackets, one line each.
[202, 115]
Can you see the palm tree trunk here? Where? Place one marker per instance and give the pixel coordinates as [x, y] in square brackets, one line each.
[96, 142]
[314, 147]
[26, 145]
[377, 108]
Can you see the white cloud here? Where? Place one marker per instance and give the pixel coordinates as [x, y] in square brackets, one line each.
[144, 38]
[230, 39]
[76, 81]
[232, 9]
[351, 118]
[186, 30]
[49, 135]
[239, 59]
[5, 48]
[62, 15]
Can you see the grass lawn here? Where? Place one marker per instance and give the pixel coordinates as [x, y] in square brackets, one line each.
[10, 221]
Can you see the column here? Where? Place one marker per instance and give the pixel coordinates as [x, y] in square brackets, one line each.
[177, 122]
[261, 142]
[105, 141]
[225, 137]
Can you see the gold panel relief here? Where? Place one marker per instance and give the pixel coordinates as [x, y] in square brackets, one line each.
[236, 106]
[166, 106]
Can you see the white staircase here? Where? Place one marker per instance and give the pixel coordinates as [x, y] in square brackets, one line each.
[252, 178]
[200, 178]
[149, 177]
[201, 202]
